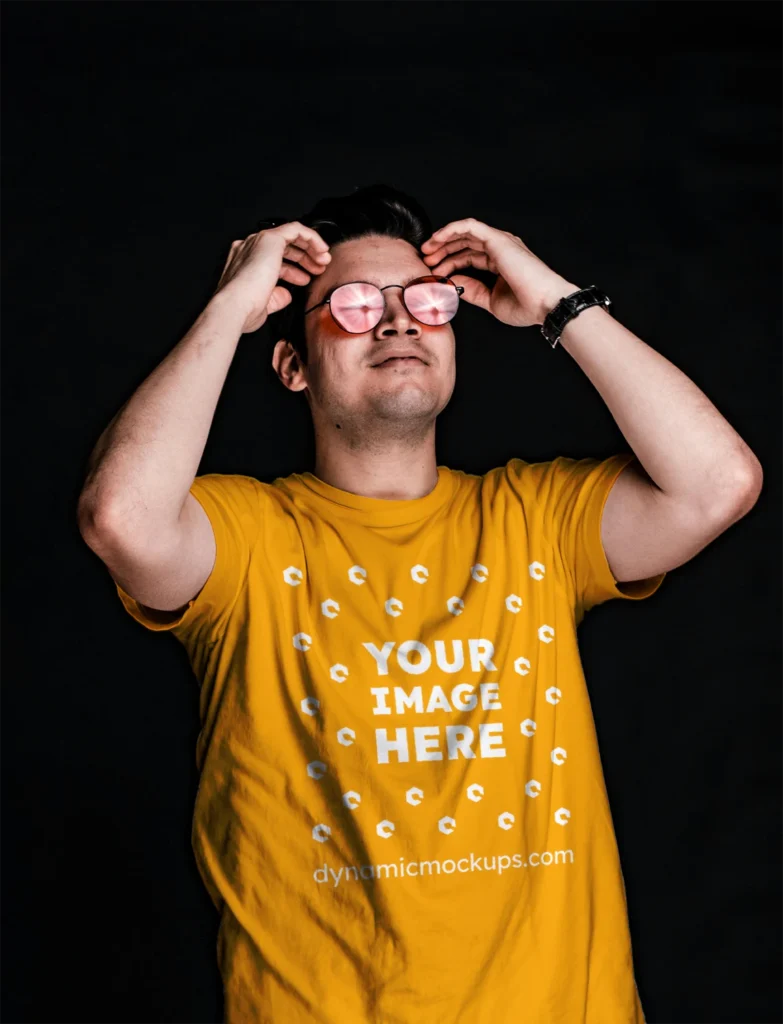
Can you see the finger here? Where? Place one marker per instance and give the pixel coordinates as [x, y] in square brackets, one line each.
[476, 292]
[459, 243]
[306, 258]
[467, 258]
[303, 237]
[279, 299]
[469, 228]
[294, 274]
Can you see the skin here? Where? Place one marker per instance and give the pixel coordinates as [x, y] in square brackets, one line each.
[702, 476]
[374, 427]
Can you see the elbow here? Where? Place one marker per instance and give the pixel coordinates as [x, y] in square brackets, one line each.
[92, 521]
[751, 482]
[745, 491]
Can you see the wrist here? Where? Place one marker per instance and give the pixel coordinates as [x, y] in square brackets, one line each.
[229, 309]
[555, 293]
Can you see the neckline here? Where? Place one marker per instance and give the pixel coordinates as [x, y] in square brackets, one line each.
[377, 511]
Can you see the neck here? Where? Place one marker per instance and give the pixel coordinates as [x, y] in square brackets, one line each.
[396, 472]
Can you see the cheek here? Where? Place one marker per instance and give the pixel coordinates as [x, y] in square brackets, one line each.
[443, 346]
[323, 335]
[338, 363]
[328, 330]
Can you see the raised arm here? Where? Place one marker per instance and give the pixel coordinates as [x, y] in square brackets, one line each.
[135, 510]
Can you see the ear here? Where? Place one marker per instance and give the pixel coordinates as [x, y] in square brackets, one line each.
[288, 366]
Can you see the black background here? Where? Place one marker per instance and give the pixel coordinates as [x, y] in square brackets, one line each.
[635, 146]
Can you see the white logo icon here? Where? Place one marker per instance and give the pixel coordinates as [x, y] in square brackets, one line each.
[310, 705]
[293, 576]
[302, 642]
[536, 570]
[321, 833]
[339, 673]
[393, 606]
[513, 603]
[357, 575]
[330, 608]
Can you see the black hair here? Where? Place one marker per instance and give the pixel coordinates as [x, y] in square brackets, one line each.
[370, 210]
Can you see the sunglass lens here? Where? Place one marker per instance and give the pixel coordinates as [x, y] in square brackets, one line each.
[432, 302]
[357, 307]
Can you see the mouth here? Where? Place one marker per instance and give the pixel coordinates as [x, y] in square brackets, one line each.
[399, 361]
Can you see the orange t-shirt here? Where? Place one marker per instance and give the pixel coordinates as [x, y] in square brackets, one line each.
[401, 814]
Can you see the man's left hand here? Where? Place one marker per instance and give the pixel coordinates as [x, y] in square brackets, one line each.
[526, 288]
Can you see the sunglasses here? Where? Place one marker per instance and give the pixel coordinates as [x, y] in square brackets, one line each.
[358, 306]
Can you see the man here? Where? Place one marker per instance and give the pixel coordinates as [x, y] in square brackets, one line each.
[401, 814]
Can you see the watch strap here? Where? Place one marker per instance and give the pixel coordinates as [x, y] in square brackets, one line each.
[569, 307]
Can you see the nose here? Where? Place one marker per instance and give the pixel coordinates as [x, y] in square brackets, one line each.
[396, 318]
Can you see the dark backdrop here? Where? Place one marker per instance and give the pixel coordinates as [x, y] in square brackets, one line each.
[635, 146]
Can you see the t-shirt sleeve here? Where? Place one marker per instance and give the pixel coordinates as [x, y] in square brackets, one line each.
[233, 504]
[569, 495]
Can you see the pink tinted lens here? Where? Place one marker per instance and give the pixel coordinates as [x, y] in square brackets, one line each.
[432, 302]
[357, 307]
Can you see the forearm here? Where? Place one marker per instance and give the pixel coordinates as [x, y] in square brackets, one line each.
[686, 446]
[144, 463]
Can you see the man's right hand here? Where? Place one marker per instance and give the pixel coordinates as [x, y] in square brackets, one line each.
[256, 264]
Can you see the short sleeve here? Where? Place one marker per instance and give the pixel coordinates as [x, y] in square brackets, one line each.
[569, 495]
[233, 504]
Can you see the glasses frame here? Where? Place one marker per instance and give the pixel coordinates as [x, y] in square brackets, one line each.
[419, 280]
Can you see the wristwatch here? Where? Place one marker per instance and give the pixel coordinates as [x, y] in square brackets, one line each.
[569, 307]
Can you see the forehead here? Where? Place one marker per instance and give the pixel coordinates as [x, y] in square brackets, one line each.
[376, 259]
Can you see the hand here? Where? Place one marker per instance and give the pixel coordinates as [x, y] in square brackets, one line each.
[255, 265]
[526, 288]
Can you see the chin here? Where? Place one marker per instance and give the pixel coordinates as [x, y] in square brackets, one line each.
[411, 403]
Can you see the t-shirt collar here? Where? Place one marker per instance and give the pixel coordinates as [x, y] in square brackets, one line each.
[372, 511]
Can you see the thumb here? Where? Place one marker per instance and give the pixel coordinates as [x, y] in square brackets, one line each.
[279, 299]
[476, 292]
